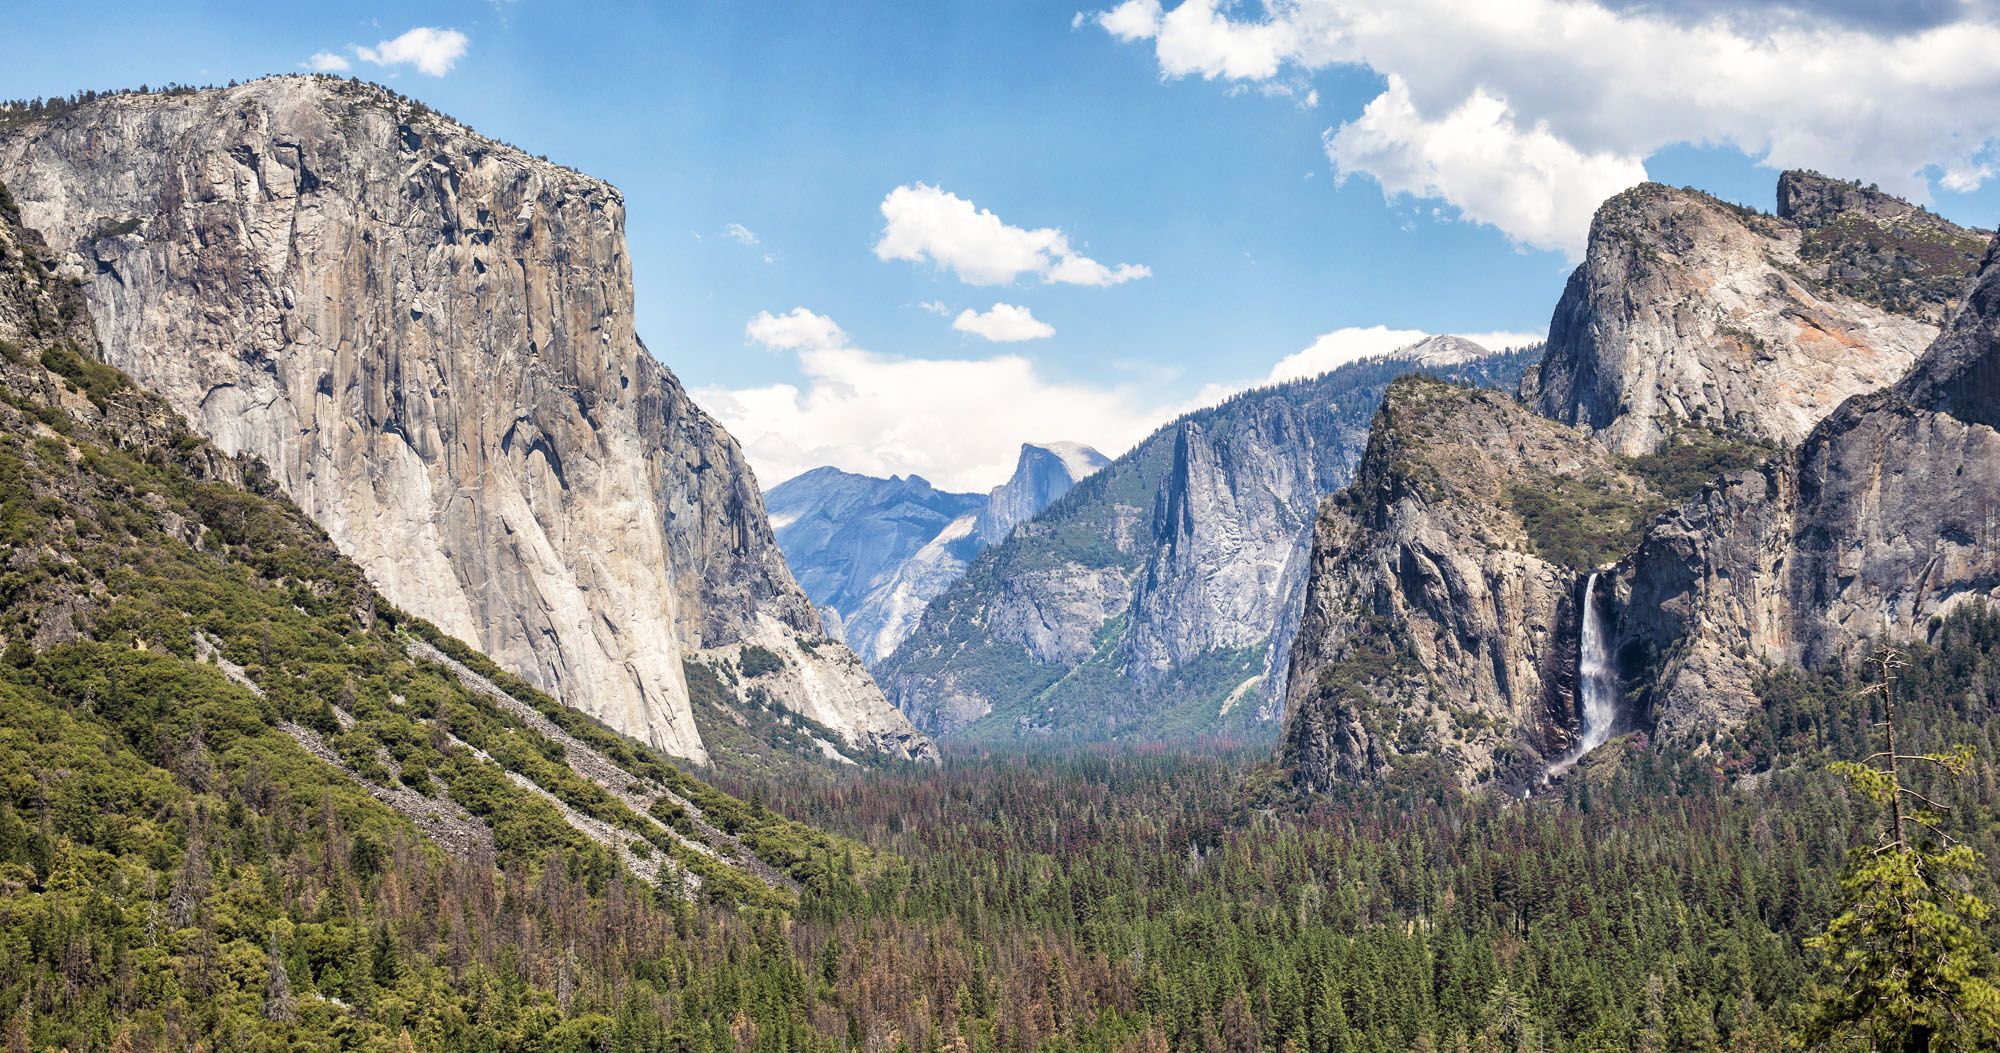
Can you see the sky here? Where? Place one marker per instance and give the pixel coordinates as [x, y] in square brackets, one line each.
[904, 238]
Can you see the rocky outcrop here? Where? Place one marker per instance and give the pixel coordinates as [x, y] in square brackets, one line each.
[1436, 624]
[1043, 474]
[1883, 520]
[428, 337]
[1153, 599]
[873, 553]
[1861, 243]
[1757, 484]
[1688, 309]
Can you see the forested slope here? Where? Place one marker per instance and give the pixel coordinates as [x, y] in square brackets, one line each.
[241, 796]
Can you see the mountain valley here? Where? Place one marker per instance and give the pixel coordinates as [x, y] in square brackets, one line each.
[396, 655]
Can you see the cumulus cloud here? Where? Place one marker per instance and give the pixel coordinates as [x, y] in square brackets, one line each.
[1004, 323]
[326, 62]
[431, 51]
[1196, 38]
[1504, 340]
[958, 422]
[739, 234]
[796, 330]
[1539, 189]
[925, 223]
[1525, 114]
[1353, 343]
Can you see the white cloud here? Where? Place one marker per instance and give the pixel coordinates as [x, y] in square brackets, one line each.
[936, 307]
[1351, 344]
[960, 422]
[1004, 323]
[795, 330]
[927, 223]
[1504, 340]
[1523, 114]
[1341, 346]
[957, 422]
[431, 51]
[326, 62]
[1536, 187]
[1132, 20]
[739, 234]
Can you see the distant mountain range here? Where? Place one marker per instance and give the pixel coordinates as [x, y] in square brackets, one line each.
[872, 553]
[1158, 597]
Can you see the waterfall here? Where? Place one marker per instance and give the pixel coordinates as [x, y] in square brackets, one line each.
[1596, 682]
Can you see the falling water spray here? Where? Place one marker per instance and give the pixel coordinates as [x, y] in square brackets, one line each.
[1596, 682]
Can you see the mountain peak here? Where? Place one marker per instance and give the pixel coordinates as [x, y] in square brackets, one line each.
[1690, 309]
[1444, 350]
[1812, 200]
[1077, 459]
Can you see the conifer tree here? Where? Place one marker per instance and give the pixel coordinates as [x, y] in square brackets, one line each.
[278, 1003]
[1909, 966]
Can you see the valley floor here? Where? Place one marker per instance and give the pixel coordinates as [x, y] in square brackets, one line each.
[1150, 900]
[1092, 900]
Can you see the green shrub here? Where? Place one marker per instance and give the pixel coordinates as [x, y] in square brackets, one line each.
[1694, 456]
[759, 661]
[1581, 522]
[95, 379]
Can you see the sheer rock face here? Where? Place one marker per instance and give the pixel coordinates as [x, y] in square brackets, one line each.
[1157, 598]
[1687, 312]
[1433, 626]
[1687, 308]
[428, 336]
[1236, 505]
[1887, 516]
[1043, 473]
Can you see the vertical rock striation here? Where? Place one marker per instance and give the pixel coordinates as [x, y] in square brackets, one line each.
[1688, 309]
[428, 336]
[1885, 518]
[1745, 462]
[1157, 598]
[1436, 625]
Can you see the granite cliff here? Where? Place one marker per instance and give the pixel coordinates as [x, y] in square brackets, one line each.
[1721, 429]
[1157, 598]
[873, 553]
[223, 642]
[427, 335]
[1688, 309]
[1880, 523]
[1437, 622]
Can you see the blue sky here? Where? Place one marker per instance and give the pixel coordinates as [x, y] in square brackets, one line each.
[1192, 140]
